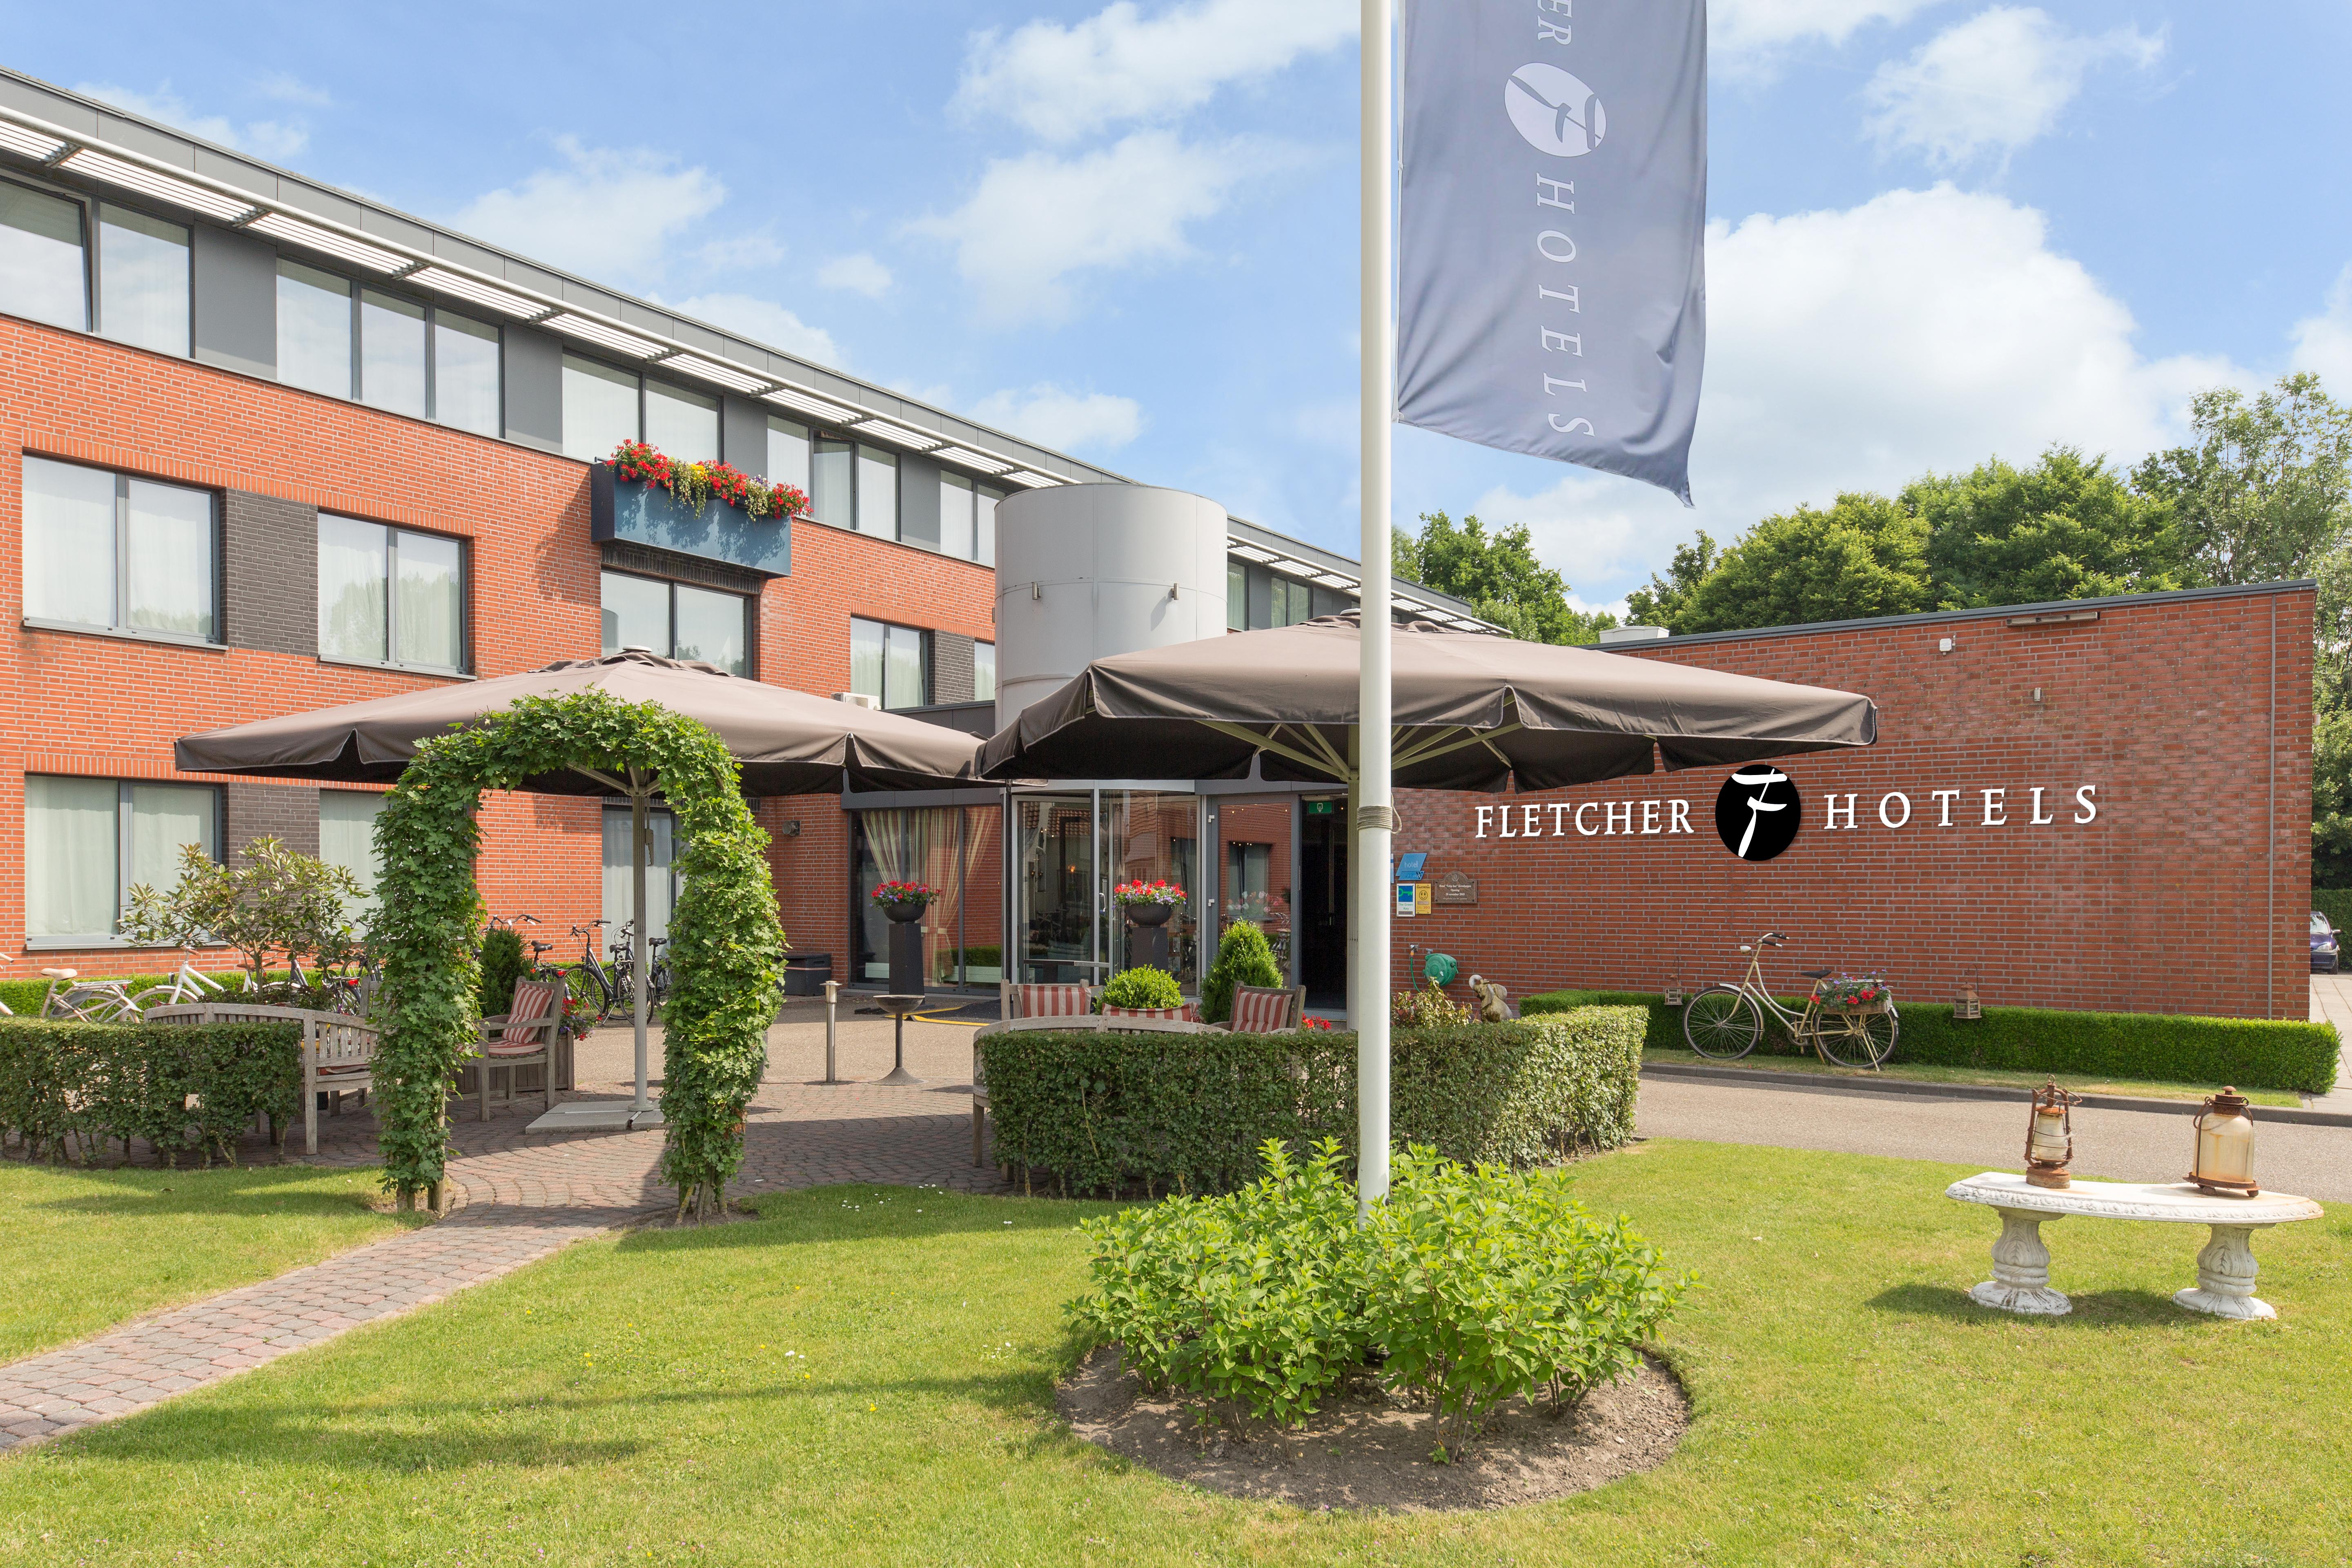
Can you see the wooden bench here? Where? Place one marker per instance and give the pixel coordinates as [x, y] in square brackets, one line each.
[338, 1051]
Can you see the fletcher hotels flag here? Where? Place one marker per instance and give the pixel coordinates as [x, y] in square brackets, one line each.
[1553, 285]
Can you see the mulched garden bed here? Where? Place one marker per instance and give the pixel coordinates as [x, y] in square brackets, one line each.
[1365, 1451]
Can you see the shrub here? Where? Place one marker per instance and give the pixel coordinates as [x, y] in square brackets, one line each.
[2258, 1053]
[502, 964]
[1476, 1285]
[273, 900]
[1244, 958]
[183, 1088]
[1142, 986]
[1427, 1007]
[1107, 1113]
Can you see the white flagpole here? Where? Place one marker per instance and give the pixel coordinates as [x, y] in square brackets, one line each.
[1375, 814]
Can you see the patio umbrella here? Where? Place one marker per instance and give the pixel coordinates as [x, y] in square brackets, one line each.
[788, 742]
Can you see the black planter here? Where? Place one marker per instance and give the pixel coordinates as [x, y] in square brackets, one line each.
[905, 953]
[1150, 914]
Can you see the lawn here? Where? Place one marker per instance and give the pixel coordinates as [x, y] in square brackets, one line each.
[2024, 1082]
[865, 1376]
[87, 1248]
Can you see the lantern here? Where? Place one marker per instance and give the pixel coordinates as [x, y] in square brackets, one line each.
[1675, 994]
[2049, 1136]
[1967, 1005]
[2224, 1165]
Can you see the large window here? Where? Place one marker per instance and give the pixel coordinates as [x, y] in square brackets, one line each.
[968, 518]
[877, 492]
[87, 842]
[387, 351]
[106, 550]
[467, 392]
[599, 408]
[833, 482]
[788, 453]
[1256, 598]
[983, 672]
[143, 281]
[890, 664]
[391, 352]
[390, 596]
[853, 485]
[681, 424]
[41, 274]
[678, 621]
[314, 330]
[347, 837]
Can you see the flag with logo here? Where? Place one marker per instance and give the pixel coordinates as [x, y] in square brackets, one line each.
[1552, 287]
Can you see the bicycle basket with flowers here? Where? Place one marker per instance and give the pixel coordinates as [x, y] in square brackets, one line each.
[1142, 892]
[904, 895]
[1855, 993]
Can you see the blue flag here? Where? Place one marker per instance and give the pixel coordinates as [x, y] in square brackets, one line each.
[1552, 278]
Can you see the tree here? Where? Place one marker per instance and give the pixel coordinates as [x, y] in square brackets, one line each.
[1498, 575]
[1404, 556]
[1661, 604]
[2067, 528]
[278, 901]
[2263, 493]
[1865, 557]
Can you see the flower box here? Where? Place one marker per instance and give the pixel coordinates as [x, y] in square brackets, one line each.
[645, 514]
[1855, 993]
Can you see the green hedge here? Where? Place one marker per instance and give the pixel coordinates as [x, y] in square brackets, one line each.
[23, 997]
[2336, 903]
[1105, 1112]
[2253, 1053]
[183, 1088]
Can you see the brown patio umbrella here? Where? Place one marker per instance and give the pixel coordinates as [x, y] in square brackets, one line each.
[789, 742]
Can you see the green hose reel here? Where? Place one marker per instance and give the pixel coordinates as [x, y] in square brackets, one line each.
[1439, 968]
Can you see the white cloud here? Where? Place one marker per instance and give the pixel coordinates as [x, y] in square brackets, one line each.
[607, 214]
[739, 253]
[1119, 65]
[1067, 421]
[765, 322]
[1992, 84]
[860, 274]
[1038, 218]
[273, 139]
[1855, 350]
[291, 89]
[2323, 343]
[1751, 35]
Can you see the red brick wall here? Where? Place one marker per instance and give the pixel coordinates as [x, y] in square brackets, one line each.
[2187, 894]
[107, 706]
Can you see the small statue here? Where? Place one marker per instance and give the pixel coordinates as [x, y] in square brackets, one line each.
[1491, 1006]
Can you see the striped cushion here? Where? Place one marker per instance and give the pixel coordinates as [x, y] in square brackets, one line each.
[1051, 1002]
[532, 999]
[1260, 1010]
[1188, 1013]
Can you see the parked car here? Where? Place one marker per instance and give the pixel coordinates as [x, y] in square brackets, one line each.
[2326, 953]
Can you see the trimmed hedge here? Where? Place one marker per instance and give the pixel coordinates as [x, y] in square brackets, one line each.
[2336, 903]
[2253, 1053]
[183, 1088]
[1105, 1112]
[23, 997]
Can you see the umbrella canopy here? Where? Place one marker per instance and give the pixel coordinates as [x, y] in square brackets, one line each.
[789, 742]
[1471, 712]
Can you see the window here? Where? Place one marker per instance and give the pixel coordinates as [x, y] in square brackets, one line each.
[788, 453]
[41, 272]
[968, 518]
[347, 837]
[832, 481]
[390, 596]
[853, 485]
[314, 330]
[599, 408]
[466, 386]
[104, 550]
[681, 424]
[1236, 597]
[1256, 598]
[890, 664]
[878, 492]
[392, 353]
[143, 281]
[87, 842]
[983, 672]
[678, 620]
[661, 872]
[984, 526]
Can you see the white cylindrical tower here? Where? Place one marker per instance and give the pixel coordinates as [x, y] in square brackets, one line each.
[1085, 570]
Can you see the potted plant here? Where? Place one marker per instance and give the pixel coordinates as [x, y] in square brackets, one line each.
[904, 902]
[1148, 903]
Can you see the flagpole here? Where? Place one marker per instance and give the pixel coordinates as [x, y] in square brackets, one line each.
[1375, 816]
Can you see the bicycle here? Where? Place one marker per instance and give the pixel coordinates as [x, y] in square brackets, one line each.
[92, 1000]
[590, 980]
[188, 983]
[1725, 1022]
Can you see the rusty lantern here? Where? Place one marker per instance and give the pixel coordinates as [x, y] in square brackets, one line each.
[2224, 1162]
[2049, 1136]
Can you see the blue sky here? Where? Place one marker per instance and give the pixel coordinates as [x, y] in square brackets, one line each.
[1942, 230]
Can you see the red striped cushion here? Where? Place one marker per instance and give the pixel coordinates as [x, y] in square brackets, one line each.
[1189, 1012]
[1051, 1002]
[1260, 1012]
[532, 999]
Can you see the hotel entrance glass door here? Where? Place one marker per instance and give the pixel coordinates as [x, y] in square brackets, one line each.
[1070, 849]
[1057, 899]
[1323, 901]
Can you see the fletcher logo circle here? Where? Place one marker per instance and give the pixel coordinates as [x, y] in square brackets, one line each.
[1555, 113]
[1759, 812]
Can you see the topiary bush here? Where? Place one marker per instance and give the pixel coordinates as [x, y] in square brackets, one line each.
[502, 964]
[1142, 986]
[1473, 1285]
[1244, 958]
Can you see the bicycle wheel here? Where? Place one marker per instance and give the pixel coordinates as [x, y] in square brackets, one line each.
[1721, 1023]
[1857, 1039]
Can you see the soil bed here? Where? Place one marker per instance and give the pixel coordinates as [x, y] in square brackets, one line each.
[1364, 1452]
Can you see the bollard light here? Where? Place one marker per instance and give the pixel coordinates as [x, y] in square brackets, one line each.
[2224, 1165]
[2049, 1136]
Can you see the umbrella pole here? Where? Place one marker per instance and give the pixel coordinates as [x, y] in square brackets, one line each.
[1375, 819]
[638, 949]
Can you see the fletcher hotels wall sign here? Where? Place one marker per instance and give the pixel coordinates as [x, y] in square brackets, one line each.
[1758, 810]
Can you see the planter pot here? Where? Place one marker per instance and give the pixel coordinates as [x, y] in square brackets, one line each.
[642, 513]
[1150, 914]
[905, 913]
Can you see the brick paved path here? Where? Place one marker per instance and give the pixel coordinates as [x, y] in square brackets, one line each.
[516, 1197]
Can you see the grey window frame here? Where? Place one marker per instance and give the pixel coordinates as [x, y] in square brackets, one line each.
[929, 657]
[669, 649]
[121, 629]
[93, 248]
[392, 530]
[88, 253]
[74, 941]
[434, 311]
[858, 450]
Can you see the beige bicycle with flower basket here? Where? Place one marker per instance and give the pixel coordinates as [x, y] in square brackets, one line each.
[1851, 1023]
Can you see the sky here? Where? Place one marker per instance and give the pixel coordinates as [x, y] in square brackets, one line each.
[1939, 231]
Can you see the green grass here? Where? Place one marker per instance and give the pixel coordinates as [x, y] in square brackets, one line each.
[87, 1248]
[635, 1400]
[1914, 1072]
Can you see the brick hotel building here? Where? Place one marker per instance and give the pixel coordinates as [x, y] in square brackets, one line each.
[266, 446]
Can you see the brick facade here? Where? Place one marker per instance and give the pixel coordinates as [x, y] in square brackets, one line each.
[2189, 714]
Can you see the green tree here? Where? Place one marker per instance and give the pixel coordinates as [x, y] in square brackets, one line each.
[1404, 556]
[2067, 528]
[1865, 557]
[1498, 575]
[2266, 491]
[1661, 604]
[276, 901]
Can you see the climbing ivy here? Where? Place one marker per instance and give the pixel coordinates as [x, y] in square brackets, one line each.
[726, 948]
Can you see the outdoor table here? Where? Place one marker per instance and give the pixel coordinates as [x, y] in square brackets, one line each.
[2225, 1267]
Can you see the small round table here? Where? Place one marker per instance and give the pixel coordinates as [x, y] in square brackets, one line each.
[2225, 1267]
[899, 1007]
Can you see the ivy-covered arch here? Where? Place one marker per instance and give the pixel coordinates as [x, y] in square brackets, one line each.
[726, 947]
